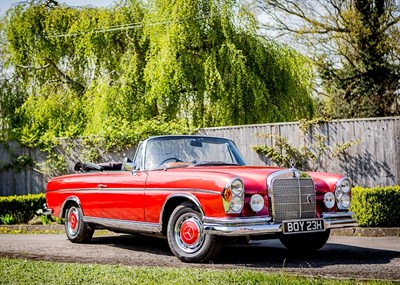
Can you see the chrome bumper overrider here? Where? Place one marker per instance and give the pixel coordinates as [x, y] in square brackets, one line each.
[46, 211]
[265, 225]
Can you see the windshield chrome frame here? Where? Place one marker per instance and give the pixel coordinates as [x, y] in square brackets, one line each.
[234, 151]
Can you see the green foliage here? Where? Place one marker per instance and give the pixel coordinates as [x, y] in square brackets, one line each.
[19, 271]
[377, 207]
[354, 46]
[309, 155]
[142, 68]
[366, 85]
[8, 219]
[20, 209]
[46, 220]
[18, 162]
[204, 65]
[282, 152]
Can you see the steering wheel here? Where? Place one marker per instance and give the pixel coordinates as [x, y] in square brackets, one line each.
[168, 159]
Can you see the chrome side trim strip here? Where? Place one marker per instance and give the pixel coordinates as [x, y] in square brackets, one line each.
[124, 225]
[144, 190]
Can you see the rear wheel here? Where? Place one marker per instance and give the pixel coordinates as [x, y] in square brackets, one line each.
[77, 231]
[186, 236]
[305, 242]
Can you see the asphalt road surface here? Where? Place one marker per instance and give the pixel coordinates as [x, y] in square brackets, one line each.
[342, 256]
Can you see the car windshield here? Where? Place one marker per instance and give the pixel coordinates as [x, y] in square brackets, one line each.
[167, 152]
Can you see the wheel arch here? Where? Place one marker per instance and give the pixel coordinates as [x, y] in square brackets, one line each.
[70, 200]
[174, 201]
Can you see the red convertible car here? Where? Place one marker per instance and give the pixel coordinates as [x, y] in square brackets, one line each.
[198, 192]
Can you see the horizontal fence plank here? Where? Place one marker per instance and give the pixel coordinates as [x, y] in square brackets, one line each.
[373, 161]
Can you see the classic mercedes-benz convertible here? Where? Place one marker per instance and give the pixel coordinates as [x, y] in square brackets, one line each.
[198, 193]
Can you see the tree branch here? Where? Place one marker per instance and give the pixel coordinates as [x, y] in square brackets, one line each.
[79, 88]
[33, 67]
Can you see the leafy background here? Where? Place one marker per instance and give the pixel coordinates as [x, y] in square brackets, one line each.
[116, 72]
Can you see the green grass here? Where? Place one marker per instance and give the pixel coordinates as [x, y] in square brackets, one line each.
[5, 230]
[21, 271]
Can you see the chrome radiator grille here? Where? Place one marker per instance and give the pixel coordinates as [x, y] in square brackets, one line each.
[293, 198]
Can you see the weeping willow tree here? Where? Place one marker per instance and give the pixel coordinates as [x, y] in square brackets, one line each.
[154, 66]
[208, 65]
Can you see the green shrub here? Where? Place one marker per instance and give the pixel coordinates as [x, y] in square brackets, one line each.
[377, 207]
[20, 209]
[7, 219]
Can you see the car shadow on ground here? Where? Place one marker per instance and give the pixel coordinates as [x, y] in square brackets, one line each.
[136, 242]
[273, 254]
[261, 254]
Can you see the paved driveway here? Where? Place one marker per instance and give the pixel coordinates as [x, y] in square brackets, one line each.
[343, 256]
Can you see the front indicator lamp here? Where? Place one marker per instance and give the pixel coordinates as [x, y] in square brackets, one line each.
[257, 203]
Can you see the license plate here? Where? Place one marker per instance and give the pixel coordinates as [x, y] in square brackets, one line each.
[303, 226]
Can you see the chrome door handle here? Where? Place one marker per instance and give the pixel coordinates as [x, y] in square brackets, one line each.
[101, 186]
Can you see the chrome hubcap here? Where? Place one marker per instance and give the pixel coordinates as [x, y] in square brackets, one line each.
[73, 221]
[189, 234]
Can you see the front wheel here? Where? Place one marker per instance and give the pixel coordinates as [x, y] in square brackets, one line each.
[77, 231]
[186, 236]
[305, 242]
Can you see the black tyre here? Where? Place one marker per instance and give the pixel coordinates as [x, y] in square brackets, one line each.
[77, 231]
[186, 236]
[305, 242]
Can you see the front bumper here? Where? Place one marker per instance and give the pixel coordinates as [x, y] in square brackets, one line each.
[264, 225]
[47, 211]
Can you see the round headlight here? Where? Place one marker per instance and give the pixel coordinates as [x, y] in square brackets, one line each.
[329, 200]
[338, 193]
[257, 202]
[236, 204]
[345, 186]
[237, 187]
[344, 201]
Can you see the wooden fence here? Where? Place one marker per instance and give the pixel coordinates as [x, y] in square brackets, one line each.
[27, 180]
[374, 160]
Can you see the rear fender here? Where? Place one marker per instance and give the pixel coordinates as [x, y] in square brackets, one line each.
[71, 199]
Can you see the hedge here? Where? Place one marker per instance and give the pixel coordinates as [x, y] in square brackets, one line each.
[376, 207]
[21, 209]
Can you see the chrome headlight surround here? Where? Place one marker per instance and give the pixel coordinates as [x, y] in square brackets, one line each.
[233, 196]
[342, 194]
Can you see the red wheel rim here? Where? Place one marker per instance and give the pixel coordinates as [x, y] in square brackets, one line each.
[189, 232]
[73, 220]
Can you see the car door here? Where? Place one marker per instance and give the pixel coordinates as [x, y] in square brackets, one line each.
[121, 195]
